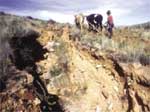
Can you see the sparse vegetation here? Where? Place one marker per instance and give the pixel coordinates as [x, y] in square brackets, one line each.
[132, 51]
[55, 71]
[146, 26]
[145, 35]
[84, 80]
[5, 52]
[19, 35]
[61, 52]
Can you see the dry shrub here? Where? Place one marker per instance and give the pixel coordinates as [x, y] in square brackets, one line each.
[122, 50]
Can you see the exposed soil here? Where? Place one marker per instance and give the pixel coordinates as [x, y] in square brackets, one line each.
[51, 72]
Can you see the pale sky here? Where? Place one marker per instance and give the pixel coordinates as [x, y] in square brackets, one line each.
[125, 12]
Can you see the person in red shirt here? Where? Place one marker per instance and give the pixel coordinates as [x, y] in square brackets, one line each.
[110, 23]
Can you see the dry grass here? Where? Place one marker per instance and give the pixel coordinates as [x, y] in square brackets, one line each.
[55, 71]
[5, 62]
[74, 74]
[11, 26]
[126, 49]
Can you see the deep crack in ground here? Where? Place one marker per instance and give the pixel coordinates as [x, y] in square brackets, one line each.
[26, 52]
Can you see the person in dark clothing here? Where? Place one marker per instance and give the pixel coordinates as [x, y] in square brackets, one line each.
[110, 24]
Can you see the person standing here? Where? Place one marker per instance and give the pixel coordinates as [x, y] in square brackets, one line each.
[110, 24]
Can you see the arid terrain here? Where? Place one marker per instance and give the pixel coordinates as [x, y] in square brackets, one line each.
[53, 67]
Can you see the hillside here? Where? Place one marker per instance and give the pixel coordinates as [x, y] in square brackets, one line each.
[145, 25]
[56, 68]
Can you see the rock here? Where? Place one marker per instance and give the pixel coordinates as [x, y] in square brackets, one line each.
[39, 69]
[49, 46]
[116, 88]
[29, 79]
[143, 77]
[97, 45]
[22, 91]
[98, 109]
[98, 66]
[130, 81]
[46, 76]
[51, 50]
[46, 55]
[136, 107]
[140, 74]
[137, 65]
[110, 105]
[57, 44]
[37, 101]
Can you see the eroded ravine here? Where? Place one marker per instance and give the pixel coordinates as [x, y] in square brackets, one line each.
[26, 52]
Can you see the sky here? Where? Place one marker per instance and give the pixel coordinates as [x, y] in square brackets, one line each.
[125, 12]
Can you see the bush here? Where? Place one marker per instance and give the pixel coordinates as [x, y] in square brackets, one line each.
[11, 29]
[55, 71]
[123, 50]
[5, 52]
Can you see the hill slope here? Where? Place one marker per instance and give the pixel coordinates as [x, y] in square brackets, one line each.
[57, 73]
[143, 25]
